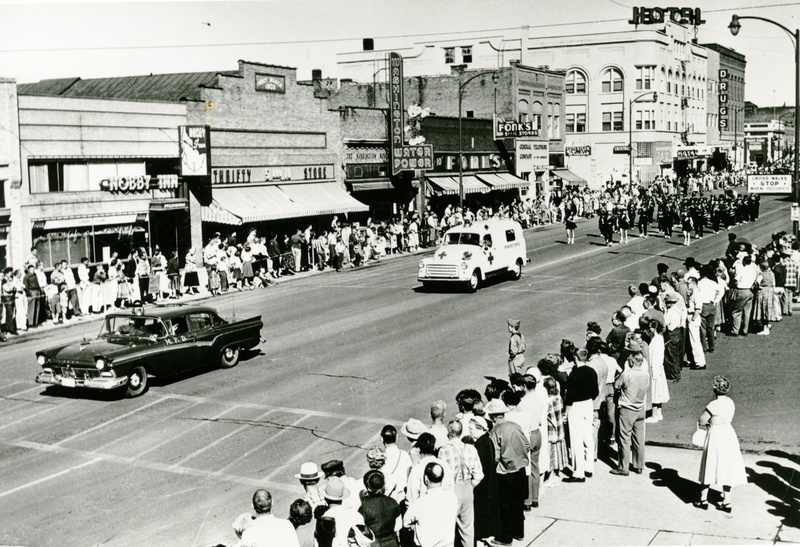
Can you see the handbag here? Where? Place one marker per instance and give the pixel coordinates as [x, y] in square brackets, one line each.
[699, 436]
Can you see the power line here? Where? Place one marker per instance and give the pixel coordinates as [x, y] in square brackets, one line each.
[339, 40]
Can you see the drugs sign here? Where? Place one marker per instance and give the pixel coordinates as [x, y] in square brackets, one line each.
[769, 184]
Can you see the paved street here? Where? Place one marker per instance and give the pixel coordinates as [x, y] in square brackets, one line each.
[348, 352]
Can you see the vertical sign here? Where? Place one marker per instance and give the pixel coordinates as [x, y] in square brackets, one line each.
[402, 157]
[723, 99]
[195, 152]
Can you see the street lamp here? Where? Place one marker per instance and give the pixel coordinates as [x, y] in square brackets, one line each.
[630, 130]
[461, 86]
[735, 26]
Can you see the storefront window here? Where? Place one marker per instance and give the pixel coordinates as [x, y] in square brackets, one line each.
[66, 176]
[73, 245]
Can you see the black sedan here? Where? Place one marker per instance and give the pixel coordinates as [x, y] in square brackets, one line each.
[133, 345]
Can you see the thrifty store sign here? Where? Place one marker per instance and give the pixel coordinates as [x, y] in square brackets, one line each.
[769, 184]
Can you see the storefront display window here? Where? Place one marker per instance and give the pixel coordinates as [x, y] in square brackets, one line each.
[72, 245]
[74, 176]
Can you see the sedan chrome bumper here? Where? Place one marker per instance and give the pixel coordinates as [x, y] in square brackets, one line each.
[92, 383]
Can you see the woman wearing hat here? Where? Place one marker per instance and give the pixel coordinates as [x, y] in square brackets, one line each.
[722, 462]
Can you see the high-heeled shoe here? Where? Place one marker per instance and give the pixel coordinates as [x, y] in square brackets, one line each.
[701, 505]
[724, 507]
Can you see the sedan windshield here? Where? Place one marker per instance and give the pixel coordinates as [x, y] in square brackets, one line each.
[462, 238]
[134, 326]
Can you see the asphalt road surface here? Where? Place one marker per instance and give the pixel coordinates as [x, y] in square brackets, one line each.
[345, 353]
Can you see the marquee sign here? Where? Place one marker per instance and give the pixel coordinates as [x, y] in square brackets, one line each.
[655, 16]
[141, 183]
[195, 150]
[402, 156]
[585, 150]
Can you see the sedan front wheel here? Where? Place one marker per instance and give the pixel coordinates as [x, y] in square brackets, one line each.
[137, 382]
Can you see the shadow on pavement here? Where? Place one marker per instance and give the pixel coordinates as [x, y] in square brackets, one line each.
[783, 483]
[684, 489]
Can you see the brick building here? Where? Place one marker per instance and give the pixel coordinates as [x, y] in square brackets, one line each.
[100, 164]
[514, 93]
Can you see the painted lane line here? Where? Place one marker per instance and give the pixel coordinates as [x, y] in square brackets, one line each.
[137, 464]
[287, 409]
[301, 455]
[111, 421]
[222, 439]
[263, 443]
[35, 414]
[629, 264]
[48, 477]
[138, 432]
[184, 432]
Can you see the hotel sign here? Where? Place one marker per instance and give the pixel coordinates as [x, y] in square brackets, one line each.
[656, 16]
[402, 156]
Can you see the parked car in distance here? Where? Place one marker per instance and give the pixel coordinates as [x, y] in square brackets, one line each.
[471, 254]
[134, 345]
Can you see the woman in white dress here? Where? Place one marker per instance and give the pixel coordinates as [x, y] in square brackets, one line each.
[722, 462]
[659, 388]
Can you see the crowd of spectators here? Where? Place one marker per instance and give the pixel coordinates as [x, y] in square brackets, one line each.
[471, 477]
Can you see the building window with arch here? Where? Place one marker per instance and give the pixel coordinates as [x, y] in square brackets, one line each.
[522, 110]
[536, 116]
[550, 120]
[575, 82]
[644, 77]
[556, 134]
[612, 80]
[669, 81]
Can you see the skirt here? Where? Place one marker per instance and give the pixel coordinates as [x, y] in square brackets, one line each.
[570, 225]
[190, 279]
[247, 269]
[123, 289]
[764, 304]
[559, 458]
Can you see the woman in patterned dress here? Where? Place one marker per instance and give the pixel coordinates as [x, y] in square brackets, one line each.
[556, 439]
[764, 300]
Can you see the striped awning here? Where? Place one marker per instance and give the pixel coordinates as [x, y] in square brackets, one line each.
[238, 205]
[449, 185]
[567, 176]
[503, 181]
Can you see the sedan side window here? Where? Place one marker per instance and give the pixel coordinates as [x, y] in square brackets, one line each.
[200, 321]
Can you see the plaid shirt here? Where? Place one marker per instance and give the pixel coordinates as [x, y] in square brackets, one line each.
[791, 272]
[463, 460]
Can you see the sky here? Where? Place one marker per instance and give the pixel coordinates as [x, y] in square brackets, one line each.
[61, 39]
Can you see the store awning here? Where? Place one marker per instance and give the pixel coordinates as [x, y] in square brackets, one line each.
[371, 184]
[503, 181]
[450, 186]
[567, 176]
[243, 204]
[100, 220]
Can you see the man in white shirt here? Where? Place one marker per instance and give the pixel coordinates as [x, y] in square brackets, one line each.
[397, 464]
[437, 428]
[72, 290]
[345, 517]
[433, 515]
[268, 530]
[534, 404]
[85, 286]
[744, 276]
[693, 323]
[710, 293]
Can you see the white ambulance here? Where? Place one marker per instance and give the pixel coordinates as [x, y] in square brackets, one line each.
[470, 254]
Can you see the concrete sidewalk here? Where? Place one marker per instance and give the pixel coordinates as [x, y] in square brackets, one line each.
[655, 508]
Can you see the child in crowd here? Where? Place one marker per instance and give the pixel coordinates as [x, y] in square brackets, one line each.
[223, 269]
[555, 433]
[123, 286]
[213, 280]
[235, 266]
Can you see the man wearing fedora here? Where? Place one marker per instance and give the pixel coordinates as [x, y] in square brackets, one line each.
[309, 477]
[632, 387]
[432, 516]
[345, 517]
[516, 348]
[335, 468]
[266, 529]
[412, 429]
